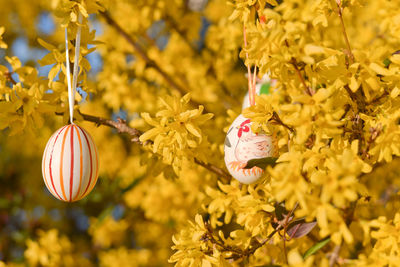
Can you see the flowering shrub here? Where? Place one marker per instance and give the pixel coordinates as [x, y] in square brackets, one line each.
[167, 83]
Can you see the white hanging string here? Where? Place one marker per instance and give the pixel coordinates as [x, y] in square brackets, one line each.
[72, 88]
[71, 97]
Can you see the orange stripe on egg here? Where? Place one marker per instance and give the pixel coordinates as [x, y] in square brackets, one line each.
[51, 158]
[81, 162]
[71, 177]
[62, 163]
[91, 167]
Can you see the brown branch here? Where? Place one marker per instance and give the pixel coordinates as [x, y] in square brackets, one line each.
[9, 77]
[260, 244]
[293, 61]
[119, 124]
[358, 123]
[141, 52]
[346, 109]
[210, 237]
[122, 127]
[375, 132]
[149, 40]
[275, 117]
[377, 99]
[335, 255]
[309, 90]
[340, 14]
[285, 226]
[220, 172]
[285, 251]
[357, 96]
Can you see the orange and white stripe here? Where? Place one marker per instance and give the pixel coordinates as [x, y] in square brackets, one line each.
[70, 163]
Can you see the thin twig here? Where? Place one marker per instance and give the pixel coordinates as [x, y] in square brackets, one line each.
[285, 250]
[286, 224]
[213, 240]
[119, 124]
[260, 244]
[377, 99]
[293, 61]
[346, 38]
[309, 91]
[335, 255]
[275, 117]
[220, 172]
[357, 96]
[375, 132]
[10, 78]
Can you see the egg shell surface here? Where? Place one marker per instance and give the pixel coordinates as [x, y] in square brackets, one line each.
[70, 163]
[242, 145]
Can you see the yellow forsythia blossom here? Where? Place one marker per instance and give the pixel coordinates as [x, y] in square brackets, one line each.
[159, 84]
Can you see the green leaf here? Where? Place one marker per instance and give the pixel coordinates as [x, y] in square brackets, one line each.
[264, 90]
[387, 62]
[316, 247]
[262, 163]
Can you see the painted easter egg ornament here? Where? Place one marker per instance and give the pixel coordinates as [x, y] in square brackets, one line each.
[70, 163]
[242, 145]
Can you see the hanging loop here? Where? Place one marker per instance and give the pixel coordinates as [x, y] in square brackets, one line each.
[72, 87]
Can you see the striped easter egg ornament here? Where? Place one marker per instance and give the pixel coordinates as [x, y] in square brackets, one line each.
[70, 163]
